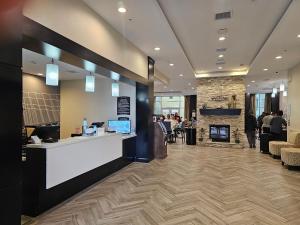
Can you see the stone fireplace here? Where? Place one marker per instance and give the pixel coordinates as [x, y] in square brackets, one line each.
[217, 115]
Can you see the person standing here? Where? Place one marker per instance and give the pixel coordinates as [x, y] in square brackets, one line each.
[260, 122]
[250, 128]
[266, 122]
[276, 126]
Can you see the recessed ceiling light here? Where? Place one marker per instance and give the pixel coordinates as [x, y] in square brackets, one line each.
[189, 84]
[278, 57]
[181, 75]
[266, 69]
[248, 85]
[40, 74]
[157, 48]
[253, 81]
[298, 36]
[193, 88]
[171, 64]
[122, 10]
[222, 38]
[220, 67]
[221, 56]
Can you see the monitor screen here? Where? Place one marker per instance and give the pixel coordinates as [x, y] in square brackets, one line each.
[120, 126]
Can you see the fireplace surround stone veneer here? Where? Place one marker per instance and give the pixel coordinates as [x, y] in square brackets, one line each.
[207, 90]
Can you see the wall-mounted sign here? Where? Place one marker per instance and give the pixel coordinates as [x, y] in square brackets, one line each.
[219, 98]
[123, 105]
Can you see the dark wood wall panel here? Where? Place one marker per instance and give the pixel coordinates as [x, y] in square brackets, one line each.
[144, 117]
[10, 131]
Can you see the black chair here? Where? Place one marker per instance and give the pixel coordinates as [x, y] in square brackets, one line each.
[180, 131]
[170, 133]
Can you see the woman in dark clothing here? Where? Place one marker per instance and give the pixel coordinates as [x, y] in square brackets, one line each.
[251, 125]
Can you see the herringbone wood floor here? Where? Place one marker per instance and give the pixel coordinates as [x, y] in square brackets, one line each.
[192, 186]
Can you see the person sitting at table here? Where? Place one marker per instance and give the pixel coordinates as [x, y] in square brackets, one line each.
[276, 125]
[174, 122]
[177, 117]
[266, 122]
[162, 118]
[171, 119]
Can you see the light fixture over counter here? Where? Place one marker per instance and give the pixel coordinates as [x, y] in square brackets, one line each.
[52, 74]
[90, 83]
[115, 89]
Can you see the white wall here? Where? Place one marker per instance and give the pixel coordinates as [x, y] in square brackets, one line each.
[294, 97]
[76, 21]
[77, 104]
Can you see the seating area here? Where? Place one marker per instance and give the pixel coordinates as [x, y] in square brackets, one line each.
[288, 152]
[290, 157]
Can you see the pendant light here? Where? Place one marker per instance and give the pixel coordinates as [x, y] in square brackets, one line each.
[281, 87]
[285, 94]
[273, 95]
[90, 83]
[274, 90]
[52, 74]
[115, 89]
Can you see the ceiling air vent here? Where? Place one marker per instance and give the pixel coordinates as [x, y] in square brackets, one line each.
[221, 49]
[223, 15]
[72, 71]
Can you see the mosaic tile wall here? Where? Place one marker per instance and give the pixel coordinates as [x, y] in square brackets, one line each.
[41, 103]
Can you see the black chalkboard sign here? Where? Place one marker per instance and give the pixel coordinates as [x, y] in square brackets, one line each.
[123, 105]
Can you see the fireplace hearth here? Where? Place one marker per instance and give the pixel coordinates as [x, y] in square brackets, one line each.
[219, 133]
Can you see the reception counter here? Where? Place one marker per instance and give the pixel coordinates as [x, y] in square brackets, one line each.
[52, 172]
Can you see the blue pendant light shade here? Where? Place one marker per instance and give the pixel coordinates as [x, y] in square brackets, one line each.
[115, 89]
[52, 74]
[90, 83]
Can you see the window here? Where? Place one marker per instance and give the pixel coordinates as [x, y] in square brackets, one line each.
[260, 104]
[169, 105]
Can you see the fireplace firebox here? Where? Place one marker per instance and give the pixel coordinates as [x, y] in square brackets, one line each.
[219, 133]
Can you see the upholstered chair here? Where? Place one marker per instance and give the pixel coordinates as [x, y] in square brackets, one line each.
[290, 157]
[292, 142]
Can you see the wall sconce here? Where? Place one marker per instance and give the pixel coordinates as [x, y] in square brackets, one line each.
[285, 94]
[281, 87]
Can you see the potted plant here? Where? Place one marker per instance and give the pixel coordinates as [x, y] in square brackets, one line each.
[236, 135]
[202, 133]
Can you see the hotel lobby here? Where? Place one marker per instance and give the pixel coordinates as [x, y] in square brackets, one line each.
[150, 112]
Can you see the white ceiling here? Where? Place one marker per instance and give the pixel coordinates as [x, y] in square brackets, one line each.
[187, 33]
[147, 29]
[282, 41]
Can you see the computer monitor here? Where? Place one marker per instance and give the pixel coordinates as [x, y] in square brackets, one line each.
[120, 126]
[97, 124]
[47, 132]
